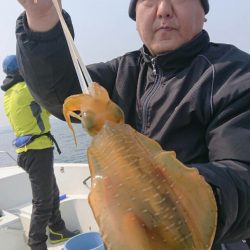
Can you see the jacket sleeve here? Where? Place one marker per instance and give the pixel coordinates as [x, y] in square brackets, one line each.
[46, 65]
[228, 172]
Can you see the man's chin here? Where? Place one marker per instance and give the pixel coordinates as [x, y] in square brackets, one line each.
[161, 49]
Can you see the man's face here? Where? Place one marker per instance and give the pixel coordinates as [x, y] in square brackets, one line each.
[165, 25]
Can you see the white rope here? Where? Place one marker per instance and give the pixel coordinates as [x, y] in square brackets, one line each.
[81, 70]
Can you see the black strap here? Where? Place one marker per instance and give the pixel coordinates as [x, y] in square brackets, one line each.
[52, 138]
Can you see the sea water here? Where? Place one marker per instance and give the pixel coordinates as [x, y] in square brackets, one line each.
[64, 137]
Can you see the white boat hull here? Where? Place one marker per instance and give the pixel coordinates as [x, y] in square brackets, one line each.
[16, 204]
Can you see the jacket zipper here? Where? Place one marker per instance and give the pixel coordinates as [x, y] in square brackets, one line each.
[146, 102]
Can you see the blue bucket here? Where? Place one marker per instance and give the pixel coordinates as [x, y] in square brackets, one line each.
[85, 241]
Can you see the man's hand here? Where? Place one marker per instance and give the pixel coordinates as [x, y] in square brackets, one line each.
[41, 14]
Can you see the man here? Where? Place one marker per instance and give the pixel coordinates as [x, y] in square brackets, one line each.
[34, 146]
[190, 95]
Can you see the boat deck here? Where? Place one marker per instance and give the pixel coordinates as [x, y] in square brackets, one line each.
[15, 202]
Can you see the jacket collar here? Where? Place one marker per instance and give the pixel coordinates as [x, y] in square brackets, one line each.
[180, 57]
[10, 81]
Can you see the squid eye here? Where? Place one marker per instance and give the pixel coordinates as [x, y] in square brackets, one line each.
[88, 120]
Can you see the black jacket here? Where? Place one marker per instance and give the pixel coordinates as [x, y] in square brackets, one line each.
[194, 100]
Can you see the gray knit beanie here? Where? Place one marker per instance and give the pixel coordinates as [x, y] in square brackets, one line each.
[132, 5]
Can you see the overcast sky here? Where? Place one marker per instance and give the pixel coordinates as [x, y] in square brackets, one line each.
[104, 31]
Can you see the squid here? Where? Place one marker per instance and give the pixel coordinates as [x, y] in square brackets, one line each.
[142, 197]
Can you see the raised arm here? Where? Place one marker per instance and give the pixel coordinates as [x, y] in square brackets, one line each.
[43, 55]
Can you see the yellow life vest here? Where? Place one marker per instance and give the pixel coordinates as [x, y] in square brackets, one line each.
[27, 117]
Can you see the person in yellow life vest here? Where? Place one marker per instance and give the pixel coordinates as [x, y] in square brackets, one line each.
[34, 147]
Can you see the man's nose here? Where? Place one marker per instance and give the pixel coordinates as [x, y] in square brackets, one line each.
[165, 9]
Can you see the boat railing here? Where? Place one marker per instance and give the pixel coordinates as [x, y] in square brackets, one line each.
[85, 182]
[9, 155]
